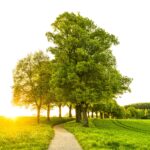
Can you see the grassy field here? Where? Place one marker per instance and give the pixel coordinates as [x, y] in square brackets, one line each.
[112, 134]
[24, 133]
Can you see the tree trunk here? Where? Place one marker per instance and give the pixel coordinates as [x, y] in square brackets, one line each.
[70, 111]
[96, 114]
[109, 114]
[59, 106]
[78, 113]
[88, 113]
[38, 114]
[101, 116]
[48, 112]
[92, 114]
[85, 118]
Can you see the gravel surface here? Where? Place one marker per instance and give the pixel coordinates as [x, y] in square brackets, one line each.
[63, 140]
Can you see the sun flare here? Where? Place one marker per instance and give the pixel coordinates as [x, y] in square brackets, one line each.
[11, 115]
[13, 112]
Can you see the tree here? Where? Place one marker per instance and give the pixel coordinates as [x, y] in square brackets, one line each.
[86, 69]
[31, 81]
[131, 112]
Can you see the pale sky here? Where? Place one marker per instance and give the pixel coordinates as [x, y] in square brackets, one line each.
[23, 24]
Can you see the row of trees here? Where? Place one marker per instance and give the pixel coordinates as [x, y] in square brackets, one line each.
[139, 105]
[83, 72]
[108, 109]
[112, 110]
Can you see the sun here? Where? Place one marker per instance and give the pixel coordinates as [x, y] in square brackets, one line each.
[12, 112]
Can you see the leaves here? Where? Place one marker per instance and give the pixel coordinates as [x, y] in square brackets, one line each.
[31, 79]
[86, 67]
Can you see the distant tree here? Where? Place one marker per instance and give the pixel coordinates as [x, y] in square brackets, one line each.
[132, 112]
[31, 81]
[141, 114]
[141, 108]
[121, 112]
[110, 108]
[86, 67]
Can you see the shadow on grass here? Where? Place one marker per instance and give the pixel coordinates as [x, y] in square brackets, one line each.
[113, 145]
[117, 146]
[55, 121]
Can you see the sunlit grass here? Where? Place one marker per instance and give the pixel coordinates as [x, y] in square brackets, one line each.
[23, 133]
[110, 135]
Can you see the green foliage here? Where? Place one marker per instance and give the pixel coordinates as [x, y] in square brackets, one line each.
[31, 79]
[142, 110]
[109, 134]
[139, 105]
[132, 112]
[86, 67]
[109, 107]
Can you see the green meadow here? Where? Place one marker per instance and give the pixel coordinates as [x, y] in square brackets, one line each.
[112, 134]
[23, 133]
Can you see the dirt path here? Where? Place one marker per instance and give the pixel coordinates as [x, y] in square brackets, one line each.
[63, 140]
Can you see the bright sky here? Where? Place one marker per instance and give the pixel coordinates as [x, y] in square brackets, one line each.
[23, 24]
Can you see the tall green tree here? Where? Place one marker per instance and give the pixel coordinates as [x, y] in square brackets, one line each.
[86, 69]
[31, 81]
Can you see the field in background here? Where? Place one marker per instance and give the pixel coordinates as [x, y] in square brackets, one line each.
[112, 134]
[23, 133]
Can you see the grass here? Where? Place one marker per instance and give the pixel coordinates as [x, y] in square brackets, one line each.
[23, 133]
[112, 134]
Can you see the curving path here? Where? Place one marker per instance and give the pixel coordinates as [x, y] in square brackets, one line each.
[63, 140]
